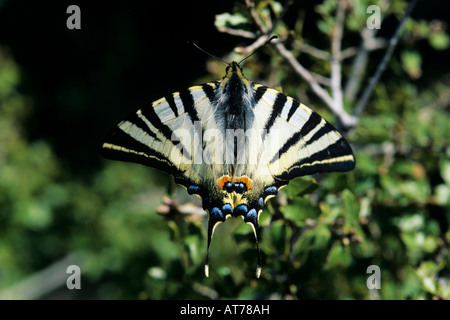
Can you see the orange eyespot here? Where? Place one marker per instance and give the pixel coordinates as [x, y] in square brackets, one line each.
[245, 180]
[223, 180]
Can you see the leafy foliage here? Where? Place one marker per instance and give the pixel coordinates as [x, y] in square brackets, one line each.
[138, 237]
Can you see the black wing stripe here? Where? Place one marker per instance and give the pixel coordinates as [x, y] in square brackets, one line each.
[210, 91]
[188, 103]
[139, 123]
[171, 101]
[337, 157]
[294, 106]
[280, 102]
[150, 114]
[257, 95]
[189, 106]
[313, 121]
[321, 132]
[135, 151]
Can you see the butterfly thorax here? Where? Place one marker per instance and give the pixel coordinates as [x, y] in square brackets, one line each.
[234, 104]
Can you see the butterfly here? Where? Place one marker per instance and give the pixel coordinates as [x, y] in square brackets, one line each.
[233, 143]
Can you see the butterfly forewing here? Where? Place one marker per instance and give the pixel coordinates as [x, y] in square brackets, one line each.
[156, 136]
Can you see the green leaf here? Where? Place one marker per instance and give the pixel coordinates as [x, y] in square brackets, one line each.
[439, 40]
[194, 246]
[412, 62]
[303, 245]
[427, 272]
[300, 187]
[323, 26]
[157, 273]
[351, 209]
[442, 195]
[445, 171]
[322, 236]
[299, 210]
[411, 223]
[339, 256]
[278, 234]
[9, 78]
[276, 7]
[226, 20]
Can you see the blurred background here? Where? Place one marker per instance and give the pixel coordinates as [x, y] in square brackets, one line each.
[134, 234]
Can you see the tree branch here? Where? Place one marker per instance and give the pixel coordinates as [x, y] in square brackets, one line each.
[369, 43]
[383, 63]
[237, 32]
[251, 7]
[346, 119]
[336, 72]
[304, 73]
[262, 40]
[312, 51]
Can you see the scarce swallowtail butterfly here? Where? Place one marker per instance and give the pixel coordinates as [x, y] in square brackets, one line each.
[231, 142]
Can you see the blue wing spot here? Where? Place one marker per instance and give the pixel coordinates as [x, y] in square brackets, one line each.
[242, 209]
[270, 191]
[228, 187]
[194, 189]
[261, 203]
[216, 214]
[239, 187]
[251, 216]
[227, 209]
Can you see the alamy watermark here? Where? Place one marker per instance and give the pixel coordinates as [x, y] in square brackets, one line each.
[74, 280]
[374, 280]
[232, 147]
[74, 20]
[374, 21]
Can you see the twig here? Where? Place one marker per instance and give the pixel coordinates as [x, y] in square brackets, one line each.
[251, 7]
[321, 54]
[237, 32]
[348, 53]
[356, 75]
[281, 15]
[336, 72]
[255, 45]
[346, 119]
[322, 79]
[304, 73]
[369, 43]
[383, 63]
[312, 51]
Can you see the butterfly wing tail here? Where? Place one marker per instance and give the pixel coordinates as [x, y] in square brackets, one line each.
[215, 218]
[251, 218]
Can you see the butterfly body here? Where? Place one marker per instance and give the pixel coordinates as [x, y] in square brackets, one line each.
[231, 142]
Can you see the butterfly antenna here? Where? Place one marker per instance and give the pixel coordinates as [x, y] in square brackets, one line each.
[209, 54]
[271, 38]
